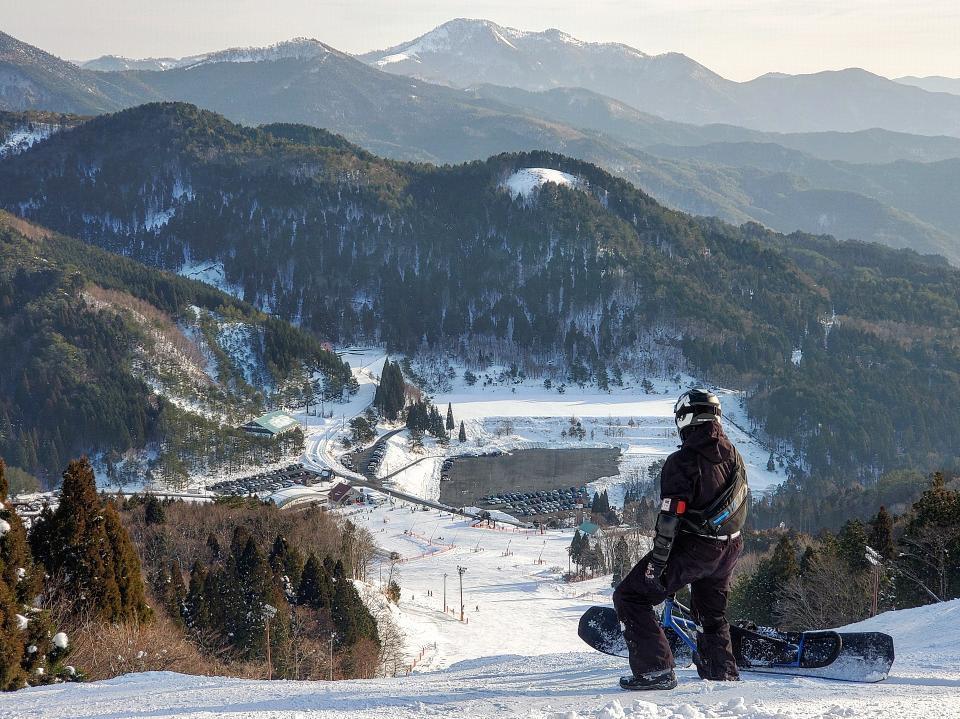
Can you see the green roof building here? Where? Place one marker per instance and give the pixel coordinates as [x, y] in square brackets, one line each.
[271, 424]
[589, 529]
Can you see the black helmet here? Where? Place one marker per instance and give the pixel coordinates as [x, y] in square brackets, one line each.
[696, 406]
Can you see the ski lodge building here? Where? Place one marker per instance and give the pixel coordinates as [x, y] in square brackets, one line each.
[271, 424]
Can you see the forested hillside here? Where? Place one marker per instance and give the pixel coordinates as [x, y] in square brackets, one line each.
[306, 81]
[842, 347]
[100, 354]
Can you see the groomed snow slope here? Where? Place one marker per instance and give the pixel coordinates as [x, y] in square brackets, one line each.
[518, 655]
[555, 686]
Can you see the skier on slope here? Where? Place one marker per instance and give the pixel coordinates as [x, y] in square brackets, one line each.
[703, 504]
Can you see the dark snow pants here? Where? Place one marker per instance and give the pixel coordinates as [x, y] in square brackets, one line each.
[706, 565]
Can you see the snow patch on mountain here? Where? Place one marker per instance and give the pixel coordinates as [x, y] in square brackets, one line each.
[155, 219]
[523, 182]
[241, 342]
[211, 272]
[25, 137]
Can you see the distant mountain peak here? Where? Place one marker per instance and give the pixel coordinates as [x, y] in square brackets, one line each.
[300, 48]
[462, 36]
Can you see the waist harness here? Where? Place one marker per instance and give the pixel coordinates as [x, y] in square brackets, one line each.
[726, 514]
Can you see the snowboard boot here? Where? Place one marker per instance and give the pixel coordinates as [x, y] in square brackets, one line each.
[650, 681]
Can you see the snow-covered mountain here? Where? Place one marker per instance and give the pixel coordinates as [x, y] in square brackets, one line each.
[299, 48]
[465, 53]
[118, 63]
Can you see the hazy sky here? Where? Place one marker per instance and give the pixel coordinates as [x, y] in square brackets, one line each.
[738, 38]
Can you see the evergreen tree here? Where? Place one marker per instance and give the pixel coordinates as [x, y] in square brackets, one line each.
[313, 588]
[754, 596]
[881, 534]
[196, 612]
[351, 619]
[84, 542]
[463, 433]
[390, 395]
[451, 425]
[12, 638]
[172, 592]
[852, 545]
[153, 512]
[12, 553]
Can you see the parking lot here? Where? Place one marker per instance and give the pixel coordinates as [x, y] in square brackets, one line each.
[271, 481]
[541, 504]
[528, 484]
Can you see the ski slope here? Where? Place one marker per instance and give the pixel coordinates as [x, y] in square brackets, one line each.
[552, 686]
[517, 654]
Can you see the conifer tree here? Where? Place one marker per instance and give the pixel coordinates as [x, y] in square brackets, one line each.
[172, 591]
[881, 534]
[196, 612]
[463, 433]
[852, 541]
[153, 512]
[16, 564]
[84, 542]
[12, 636]
[350, 616]
[450, 423]
[126, 568]
[314, 589]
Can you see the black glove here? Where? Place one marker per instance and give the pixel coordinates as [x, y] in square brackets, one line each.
[653, 576]
[667, 525]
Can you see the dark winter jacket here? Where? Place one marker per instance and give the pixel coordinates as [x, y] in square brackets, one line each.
[699, 471]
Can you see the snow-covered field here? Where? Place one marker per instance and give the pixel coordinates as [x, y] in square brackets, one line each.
[518, 654]
[509, 417]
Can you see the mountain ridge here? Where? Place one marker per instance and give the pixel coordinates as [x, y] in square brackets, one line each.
[672, 86]
[597, 278]
[414, 120]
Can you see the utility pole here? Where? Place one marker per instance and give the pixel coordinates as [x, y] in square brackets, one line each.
[269, 612]
[461, 570]
[873, 557]
[332, 635]
[444, 592]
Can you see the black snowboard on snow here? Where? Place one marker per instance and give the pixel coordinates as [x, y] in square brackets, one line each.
[845, 656]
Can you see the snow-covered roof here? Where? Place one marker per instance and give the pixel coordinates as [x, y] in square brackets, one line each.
[275, 422]
[299, 493]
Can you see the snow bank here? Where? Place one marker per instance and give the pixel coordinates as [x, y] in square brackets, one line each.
[523, 182]
[926, 636]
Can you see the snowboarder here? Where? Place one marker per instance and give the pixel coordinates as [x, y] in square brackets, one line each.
[703, 493]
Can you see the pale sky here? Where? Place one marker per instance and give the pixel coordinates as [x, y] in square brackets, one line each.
[740, 39]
